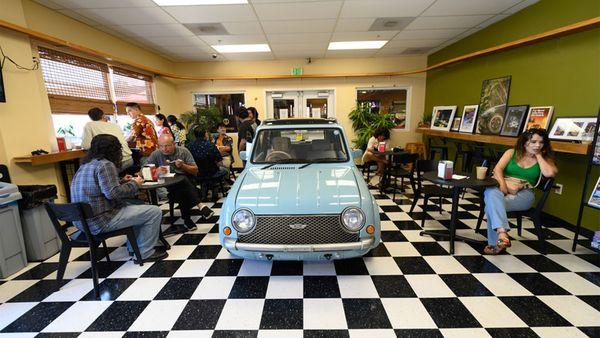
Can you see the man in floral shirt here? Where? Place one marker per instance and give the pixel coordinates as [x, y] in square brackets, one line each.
[142, 131]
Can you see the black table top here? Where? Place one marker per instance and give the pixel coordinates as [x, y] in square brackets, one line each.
[167, 182]
[469, 182]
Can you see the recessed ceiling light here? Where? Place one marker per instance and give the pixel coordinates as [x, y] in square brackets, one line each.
[242, 48]
[198, 2]
[356, 45]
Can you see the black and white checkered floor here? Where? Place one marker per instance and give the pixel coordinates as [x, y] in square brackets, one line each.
[409, 287]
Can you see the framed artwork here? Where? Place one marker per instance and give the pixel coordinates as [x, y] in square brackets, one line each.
[539, 117]
[513, 121]
[492, 105]
[455, 124]
[469, 117]
[572, 128]
[594, 200]
[442, 117]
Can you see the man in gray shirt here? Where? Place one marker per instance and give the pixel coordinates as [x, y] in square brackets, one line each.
[182, 163]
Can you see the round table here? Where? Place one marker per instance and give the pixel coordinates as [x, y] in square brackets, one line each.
[456, 185]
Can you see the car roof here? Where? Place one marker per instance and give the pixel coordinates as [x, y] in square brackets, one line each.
[298, 122]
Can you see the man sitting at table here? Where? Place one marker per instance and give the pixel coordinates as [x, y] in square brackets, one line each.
[97, 184]
[208, 157]
[100, 125]
[182, 162]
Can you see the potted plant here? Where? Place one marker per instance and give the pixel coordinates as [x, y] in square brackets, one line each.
[68, 134]
[206, 117]
[365, 121]
[425, 121]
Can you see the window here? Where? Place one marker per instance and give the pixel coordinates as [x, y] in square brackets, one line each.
[228, 105]
[132, 87]
[387, 101]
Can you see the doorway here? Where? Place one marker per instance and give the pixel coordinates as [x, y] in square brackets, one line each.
[285, 104]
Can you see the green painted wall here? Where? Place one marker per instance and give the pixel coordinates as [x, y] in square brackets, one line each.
[563, 72]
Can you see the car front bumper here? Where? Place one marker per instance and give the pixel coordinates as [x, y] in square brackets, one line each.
[233, 245]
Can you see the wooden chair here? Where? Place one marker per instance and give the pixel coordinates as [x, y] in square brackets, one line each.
[416, 148]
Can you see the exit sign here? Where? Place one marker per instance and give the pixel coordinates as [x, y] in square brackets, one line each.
[297, 71]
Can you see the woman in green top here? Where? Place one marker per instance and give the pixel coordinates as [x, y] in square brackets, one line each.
[517, 172]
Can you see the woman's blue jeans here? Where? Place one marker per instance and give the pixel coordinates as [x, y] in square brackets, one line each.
[497, 205]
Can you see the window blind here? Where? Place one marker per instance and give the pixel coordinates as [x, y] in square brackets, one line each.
[131, 86]
[74, 84]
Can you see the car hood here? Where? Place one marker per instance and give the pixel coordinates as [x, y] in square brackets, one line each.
[287, 189]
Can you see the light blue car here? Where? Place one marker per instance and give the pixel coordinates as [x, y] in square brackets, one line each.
[300, 197]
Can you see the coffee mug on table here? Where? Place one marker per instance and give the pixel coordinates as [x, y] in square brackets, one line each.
[481, 172]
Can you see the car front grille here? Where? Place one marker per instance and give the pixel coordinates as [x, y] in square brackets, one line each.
[299, 229]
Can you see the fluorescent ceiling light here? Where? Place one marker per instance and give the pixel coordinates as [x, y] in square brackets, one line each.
[242, 48]
[356, 45]
[198, 2]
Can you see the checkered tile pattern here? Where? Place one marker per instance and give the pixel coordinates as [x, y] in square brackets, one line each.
[409, 286]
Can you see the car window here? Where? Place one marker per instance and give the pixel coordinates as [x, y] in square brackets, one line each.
[299, 146]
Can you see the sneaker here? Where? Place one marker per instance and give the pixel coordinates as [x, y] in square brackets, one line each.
[206, 212]
[189, 224]
[156, 256]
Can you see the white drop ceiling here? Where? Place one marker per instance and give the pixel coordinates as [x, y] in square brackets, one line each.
[292, 28]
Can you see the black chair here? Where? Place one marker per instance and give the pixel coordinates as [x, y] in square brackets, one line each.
[534, 213]
[430, 190]
[366, 168]
[4, 175]
[398, 169]
[441, 149]
[213, 183]
[79, 212]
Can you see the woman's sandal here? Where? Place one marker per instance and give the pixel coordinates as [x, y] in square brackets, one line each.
[503, 243]
[492, 250]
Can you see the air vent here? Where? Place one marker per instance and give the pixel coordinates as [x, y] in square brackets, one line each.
[283, 168]
[391, 24]
[416, 51]
[207, 29]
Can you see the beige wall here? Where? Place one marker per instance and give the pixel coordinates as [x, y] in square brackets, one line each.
[345, 88]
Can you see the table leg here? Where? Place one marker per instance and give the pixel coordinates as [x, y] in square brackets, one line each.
[453, 216]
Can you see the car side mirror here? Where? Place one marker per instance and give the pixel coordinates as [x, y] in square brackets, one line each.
[243, 155]
[356, 153]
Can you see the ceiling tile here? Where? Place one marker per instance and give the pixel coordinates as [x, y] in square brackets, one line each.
[389, 51]
[428, 34]
[297, 47]
[354, 25]
[298, 26]
[173, 29]
[444, 22]
[293, 11]
[74, 15]
[214, 13]
[272, 1]
[233, 39]
[383, 8]
[188, 50]
[248, 57]
[469, 7]
[300, 54]
[104, 3]
[175, 41]
[519, 6]
[332, 54]
[362, 36]
[298, 38]
[243, 28]
[128, 16]
[492, 20]
[415, 43]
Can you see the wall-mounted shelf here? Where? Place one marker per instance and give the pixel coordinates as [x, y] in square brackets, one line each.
[51, 158]
[557, 146]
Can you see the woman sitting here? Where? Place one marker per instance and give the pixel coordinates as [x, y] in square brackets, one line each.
[517, 172]
[372, 154]
[162, 125]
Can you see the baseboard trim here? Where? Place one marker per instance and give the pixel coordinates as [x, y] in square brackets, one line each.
[553, 220]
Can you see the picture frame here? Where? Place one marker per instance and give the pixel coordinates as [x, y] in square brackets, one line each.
[538, 117]
[514, 120]
[572, 128]
[492, 105]
[594, 200]
[455, 124]
[442, 117]
[469, 118]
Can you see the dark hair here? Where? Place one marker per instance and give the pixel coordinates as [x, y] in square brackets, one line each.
[221, 125]
[105, 146]
[95, 114]
[165, 123]
[382, 131]
[133, 105]
[243, 113]
[173, 121]
[525, 137]
[199, 133]
[255, 113]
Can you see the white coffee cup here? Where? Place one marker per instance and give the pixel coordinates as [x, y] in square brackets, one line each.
[481, 172]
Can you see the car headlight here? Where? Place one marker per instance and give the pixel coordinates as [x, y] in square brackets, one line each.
[243, 220]
[353, 219]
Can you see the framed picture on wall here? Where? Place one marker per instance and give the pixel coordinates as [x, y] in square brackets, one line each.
[492, 105]
[539, 117]
[594, 200]
[442, 117]
[513, 121]
[455, 124]
[572, 128]
[469, 118]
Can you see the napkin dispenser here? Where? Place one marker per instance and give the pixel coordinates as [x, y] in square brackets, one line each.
[445, 169]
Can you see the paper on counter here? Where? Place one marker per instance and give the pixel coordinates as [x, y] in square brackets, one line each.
[459, 177]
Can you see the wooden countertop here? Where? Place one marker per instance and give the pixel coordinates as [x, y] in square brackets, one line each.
[557, 146]
[51, 158]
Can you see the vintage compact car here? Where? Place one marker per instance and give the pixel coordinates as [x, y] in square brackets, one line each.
[300, 196]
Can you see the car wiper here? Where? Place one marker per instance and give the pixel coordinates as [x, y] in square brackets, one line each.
[267, 167]
[318, 160]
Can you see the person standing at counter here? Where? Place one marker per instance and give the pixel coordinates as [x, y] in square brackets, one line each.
[517, 172]
[142, 131]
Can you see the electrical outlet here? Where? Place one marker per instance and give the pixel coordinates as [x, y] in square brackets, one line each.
[558, 188]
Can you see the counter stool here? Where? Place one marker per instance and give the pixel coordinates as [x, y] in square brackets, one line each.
[464, 153]
[416, 148]
[441, 149]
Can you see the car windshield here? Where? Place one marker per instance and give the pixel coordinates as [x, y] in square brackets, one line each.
[299, 146]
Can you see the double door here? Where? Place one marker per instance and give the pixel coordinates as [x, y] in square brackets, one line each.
[300, 104]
